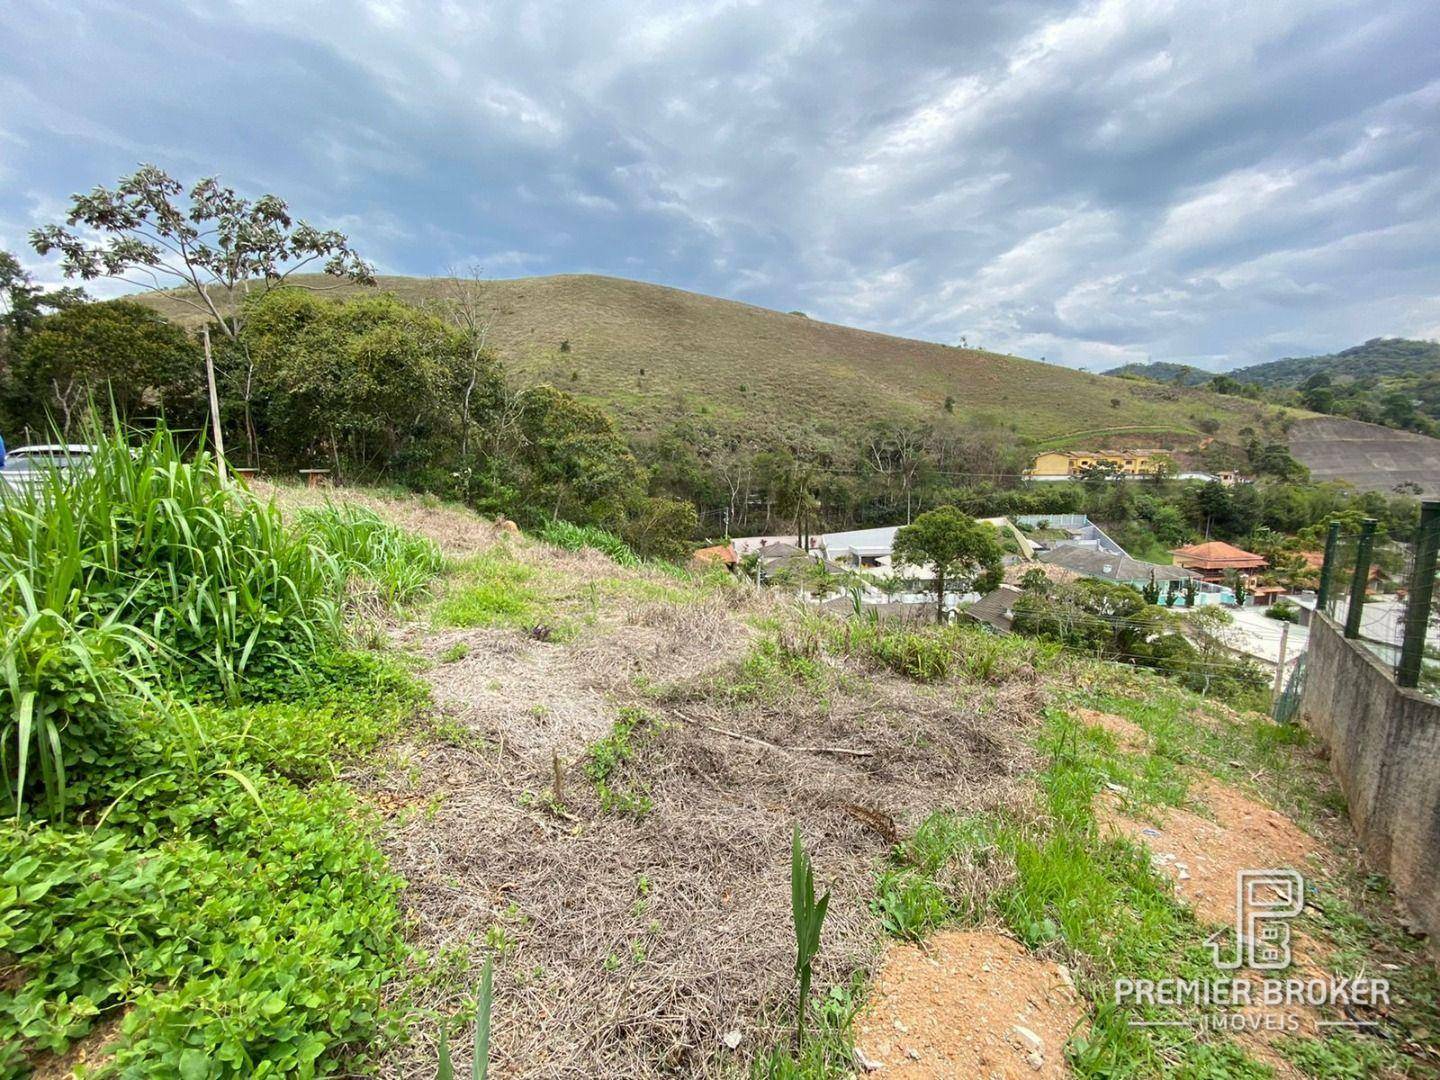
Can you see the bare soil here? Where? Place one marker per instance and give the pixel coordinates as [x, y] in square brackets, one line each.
[633, 944]
[1203, 856]
[967, 1004]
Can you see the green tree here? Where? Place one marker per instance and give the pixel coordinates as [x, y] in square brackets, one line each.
[1240, 586]
[958, 550]
[660, 528]
[22, 304]
[573, 461]
[210, 248]
[369, 383]
[1151, 590]
[118, 353]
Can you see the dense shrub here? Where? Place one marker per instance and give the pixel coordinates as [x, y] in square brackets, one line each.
[139, 565]
[174, 685]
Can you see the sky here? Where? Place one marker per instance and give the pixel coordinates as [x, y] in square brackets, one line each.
[1216, 183]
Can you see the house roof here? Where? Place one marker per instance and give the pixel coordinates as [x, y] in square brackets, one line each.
[720, 553]
[1094, 563]
[994, 608]
[1216, 555]
[778, 551]
[1015, 572]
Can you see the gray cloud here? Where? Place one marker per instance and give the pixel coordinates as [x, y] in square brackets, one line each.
[1123, 179]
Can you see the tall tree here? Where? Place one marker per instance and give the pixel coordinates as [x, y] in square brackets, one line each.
[209, 247]
[22, 305]
[958, 550]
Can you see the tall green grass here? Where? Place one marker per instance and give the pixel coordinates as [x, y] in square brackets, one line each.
[139, 570]
[571, 537]
[398, 564]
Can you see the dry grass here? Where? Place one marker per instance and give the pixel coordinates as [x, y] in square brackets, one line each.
[633, 943]
[653, 355]
[629, 943]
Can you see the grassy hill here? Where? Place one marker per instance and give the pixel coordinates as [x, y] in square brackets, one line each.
[1163, 371]
[1376, 359]
[653, 355]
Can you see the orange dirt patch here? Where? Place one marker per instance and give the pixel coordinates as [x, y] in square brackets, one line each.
[1128, 734]
[967, 1004]
[1203, 856]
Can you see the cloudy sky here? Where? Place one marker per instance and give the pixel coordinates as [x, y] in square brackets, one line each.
[1213, 182]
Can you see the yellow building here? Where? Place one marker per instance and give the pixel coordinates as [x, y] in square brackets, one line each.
[1069, 464]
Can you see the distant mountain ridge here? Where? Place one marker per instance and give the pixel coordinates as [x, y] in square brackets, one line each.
[1376, 358]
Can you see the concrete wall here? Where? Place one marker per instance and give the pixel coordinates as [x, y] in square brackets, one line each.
[1385, 749]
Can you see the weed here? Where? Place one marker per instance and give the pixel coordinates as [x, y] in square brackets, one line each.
[909, 904]
[397, 564]
[492, 589]
[826, 1051]
[1342, 1056]
[604, 757]
[456, 652]
[809, 919]
[480, 1058]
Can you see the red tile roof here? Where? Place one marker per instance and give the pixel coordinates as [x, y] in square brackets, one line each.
[720, 553]
[1216, 555]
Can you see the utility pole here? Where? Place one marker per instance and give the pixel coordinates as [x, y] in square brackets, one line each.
[1280, 664]
[214, 406]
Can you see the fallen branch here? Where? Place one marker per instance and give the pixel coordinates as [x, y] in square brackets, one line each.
[845, 750]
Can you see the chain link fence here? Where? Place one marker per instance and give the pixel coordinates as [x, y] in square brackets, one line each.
[1384, 595]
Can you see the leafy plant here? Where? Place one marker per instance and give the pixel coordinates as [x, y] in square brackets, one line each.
[809, 917]
[605, 756]
[571, 537]
[480, 1062]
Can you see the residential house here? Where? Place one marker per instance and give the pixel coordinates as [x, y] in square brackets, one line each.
[1107, 566]
[1215, 560]
[1072, 464]
[1123, 570]
[996, 609]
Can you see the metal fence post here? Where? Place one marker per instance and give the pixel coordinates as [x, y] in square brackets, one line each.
[1327, 568]
[1361, 578]
[1422, 593]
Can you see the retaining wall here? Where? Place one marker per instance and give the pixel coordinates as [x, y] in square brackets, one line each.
[1385, 749]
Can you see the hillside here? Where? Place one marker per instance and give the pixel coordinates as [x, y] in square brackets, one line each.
[1370, 457]
[653, 355]
[1378, 358]
[1163, 371]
